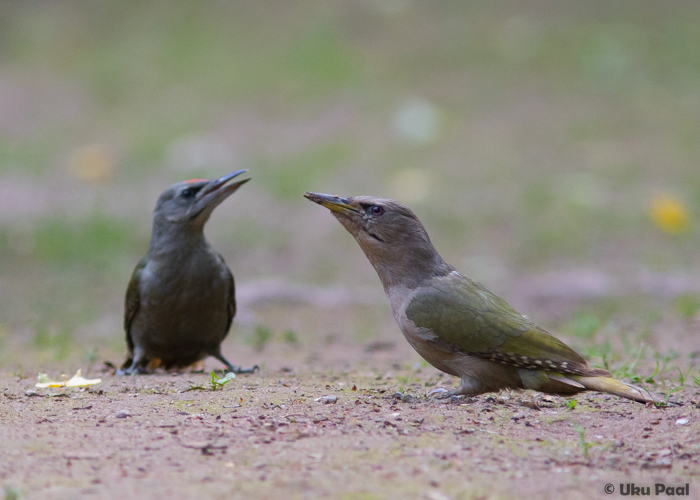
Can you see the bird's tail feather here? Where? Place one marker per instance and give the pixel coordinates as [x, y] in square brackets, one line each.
[618, 388]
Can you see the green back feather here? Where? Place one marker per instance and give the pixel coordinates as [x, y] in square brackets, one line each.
[472, 319]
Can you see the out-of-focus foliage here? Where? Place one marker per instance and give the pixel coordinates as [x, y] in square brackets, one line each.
[530, 138]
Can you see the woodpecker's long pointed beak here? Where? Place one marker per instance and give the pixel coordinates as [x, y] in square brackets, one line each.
[214, 192]
[217, 185]
[332, 202]
[217, 190]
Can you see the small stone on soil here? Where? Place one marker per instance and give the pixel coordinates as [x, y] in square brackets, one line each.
[326, 400]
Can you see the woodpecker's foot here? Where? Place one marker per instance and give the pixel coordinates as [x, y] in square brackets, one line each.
[235, 369]
[238, 370]
[451, 397]
[441, 393]
[132, 370]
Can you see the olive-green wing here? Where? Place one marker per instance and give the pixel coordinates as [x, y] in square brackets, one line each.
[132, 301]
[468, 317]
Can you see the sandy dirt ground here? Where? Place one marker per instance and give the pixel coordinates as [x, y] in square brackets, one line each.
[303, 428]
[550, 148]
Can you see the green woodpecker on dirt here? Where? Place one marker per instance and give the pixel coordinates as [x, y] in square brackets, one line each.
[181, 300]
[457, 324]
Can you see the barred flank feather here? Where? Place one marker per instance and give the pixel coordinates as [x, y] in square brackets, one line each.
[548, 365]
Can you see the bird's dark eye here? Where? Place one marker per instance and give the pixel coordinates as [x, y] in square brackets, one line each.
[376, 210]
[187, 193]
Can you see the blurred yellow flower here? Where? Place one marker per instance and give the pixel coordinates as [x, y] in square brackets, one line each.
[669, 214]
[92, 164]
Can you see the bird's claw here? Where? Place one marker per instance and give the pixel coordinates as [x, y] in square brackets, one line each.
[440, 393]
[452, 397]
[239, 370]
[130, 371]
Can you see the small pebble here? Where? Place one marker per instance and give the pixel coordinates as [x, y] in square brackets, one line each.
[326, 400]
[682, 421]
[123, 414]
[30, 393]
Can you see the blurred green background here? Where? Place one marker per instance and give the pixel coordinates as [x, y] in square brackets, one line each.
[551, 149]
